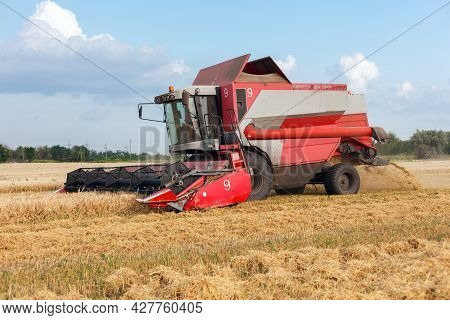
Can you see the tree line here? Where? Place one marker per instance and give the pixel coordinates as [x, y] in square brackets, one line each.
[423, 144]
[74, 154]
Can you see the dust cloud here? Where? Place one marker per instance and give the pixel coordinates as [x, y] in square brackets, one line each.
[390, 177]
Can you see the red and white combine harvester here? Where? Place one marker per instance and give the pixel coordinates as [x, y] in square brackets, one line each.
[242, 130]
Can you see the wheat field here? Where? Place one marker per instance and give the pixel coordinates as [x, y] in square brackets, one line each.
[391, 241]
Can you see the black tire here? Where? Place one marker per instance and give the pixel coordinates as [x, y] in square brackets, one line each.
[298, 190]
[261, 174]
[342, 178]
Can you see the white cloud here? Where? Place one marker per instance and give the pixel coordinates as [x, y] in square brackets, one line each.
[359, 76]
[60, 23]
[404, 89]
[179, 67]
[51, 16]
[288, 64]
[35, 62]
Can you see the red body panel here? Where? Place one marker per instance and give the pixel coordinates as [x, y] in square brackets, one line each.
[312, 150]
[311, 121]
[296, 151]
[232, 188]
[197, 184]
[159, 198]
[254, 89]
[222, 73]
[228, 95]
[356, 120]
[316, 138]
[226, 189]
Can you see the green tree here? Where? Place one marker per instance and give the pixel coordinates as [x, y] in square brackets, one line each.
[25, 154]
[448, 143]
[394, 146]
[79, 153]
[60, 153]
[4, 153]
[30, 153]
[43, 153]
[429, 143]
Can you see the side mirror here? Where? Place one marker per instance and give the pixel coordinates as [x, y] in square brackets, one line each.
[185, 98]
[141, 111]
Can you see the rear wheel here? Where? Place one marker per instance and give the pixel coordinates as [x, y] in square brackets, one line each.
[261, 175]
[342, 178]
[298, 190]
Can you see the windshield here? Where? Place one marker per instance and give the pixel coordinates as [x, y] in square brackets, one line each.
[180, 123]
[208, 116]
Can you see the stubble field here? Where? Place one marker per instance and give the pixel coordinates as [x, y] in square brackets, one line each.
[391, 241]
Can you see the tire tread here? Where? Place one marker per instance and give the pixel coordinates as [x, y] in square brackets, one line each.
[332, 178]
[255, 158]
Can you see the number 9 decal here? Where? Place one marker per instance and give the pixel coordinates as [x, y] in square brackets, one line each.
[227, 185]
[225, 93]
[249, 92]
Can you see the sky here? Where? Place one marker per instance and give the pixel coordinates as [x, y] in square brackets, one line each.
[50, 95]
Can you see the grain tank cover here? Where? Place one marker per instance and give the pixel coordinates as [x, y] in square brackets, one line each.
[222, 73]
[239, 70]
[261, 69]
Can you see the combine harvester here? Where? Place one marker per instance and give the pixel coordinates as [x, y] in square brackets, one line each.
[243, 129]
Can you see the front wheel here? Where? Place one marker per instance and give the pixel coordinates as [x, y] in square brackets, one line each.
[342, 178]
[261, 175]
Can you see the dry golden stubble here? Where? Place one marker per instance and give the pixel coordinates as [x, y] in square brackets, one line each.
[93, 245]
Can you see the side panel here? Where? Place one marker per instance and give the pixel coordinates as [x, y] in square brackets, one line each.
[355, 120]
[276, 104]
[308, 150]
[296, 151]
[254, 89]
[302, 108]
[232, 188]
[228, 103]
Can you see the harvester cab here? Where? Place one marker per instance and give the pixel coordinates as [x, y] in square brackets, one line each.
[242, 130]
[192, 118]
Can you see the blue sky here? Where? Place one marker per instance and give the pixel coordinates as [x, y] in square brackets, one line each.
[53, 96]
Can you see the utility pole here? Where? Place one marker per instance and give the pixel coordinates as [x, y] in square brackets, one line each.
[130, 149]
[87, 149]
[106, 152]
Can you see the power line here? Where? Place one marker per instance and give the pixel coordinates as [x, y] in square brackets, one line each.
[373, 52]
[83, 56]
